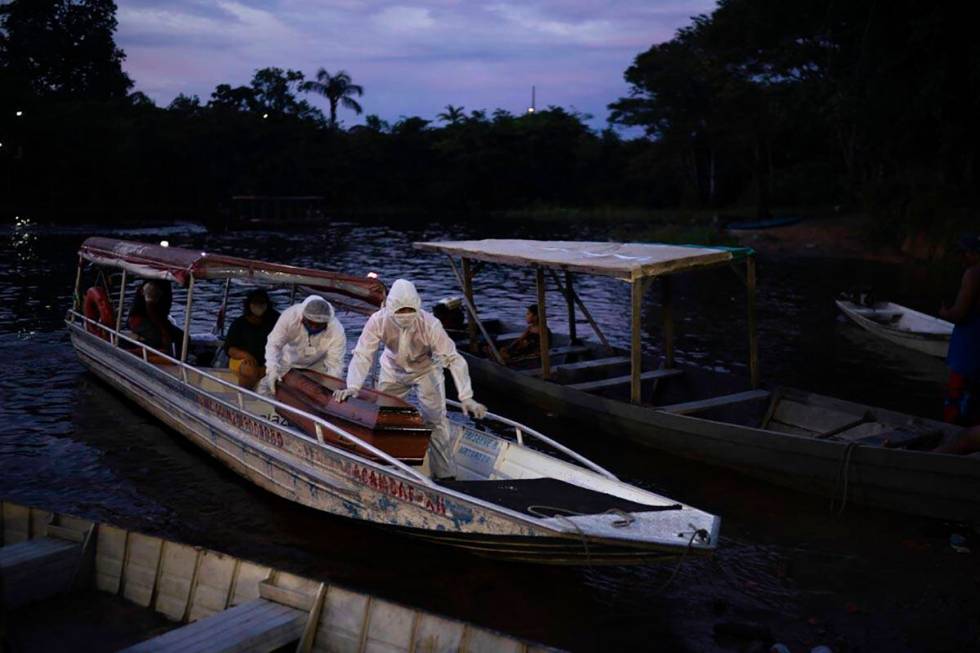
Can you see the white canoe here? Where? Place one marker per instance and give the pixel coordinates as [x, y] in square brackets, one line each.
[902, 326]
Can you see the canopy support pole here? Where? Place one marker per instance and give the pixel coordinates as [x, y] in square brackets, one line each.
[219, 323]
[77, 299]
[292, 295]
[187, 320]
[585, 311]
[570, 302]
[468, 293]
[753, 333]
[543, 340]
[122, 298]
[636, 342]
[473, 316]
[668, 310]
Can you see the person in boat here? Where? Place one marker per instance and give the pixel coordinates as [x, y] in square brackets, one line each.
[307, 335]
[529, 342]
[149, 318]
[962, 405]
[417, 348]
[247, 338]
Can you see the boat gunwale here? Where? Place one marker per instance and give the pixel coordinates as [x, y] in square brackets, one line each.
[848, 308]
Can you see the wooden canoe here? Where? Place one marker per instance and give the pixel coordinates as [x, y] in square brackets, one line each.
[812, 443]
[901, 325]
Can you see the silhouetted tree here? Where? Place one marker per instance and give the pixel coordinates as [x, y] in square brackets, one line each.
[61, 48]
[339, 89]
[452, 115]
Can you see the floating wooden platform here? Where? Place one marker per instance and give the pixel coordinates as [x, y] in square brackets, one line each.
[227, 604]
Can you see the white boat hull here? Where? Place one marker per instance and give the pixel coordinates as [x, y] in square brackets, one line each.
[913, 330]
[291, 465]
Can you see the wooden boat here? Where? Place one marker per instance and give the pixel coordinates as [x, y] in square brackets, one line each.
[386, 422]
[493, 508]
[815, 444]
[214, 602]
[901, 325]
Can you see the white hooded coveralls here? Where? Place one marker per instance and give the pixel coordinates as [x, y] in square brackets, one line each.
[413, 357]
[290, 345]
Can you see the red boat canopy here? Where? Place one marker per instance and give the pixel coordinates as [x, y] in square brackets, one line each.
[176, 264]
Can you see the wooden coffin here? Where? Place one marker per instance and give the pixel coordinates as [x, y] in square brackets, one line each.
[386, 422]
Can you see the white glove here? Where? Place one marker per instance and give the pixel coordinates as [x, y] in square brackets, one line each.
[345, 394]
[474, 409]
[267, 386]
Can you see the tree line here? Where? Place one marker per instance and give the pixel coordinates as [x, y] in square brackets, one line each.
[759, 104]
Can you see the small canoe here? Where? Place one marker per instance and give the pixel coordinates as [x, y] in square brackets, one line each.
[901, 325]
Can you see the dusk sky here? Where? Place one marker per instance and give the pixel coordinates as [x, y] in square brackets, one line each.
[411, 58]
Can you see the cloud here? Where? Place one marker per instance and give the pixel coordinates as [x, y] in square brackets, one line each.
[411, 57]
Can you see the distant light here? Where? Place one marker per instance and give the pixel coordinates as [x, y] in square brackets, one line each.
[264, 116]
[530, 109]
[164, 243]
[372, 275]
[204, 253]
[1, 144]
[19, 113]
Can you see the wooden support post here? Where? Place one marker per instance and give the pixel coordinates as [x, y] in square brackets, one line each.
[570, 302]
[543, 325]
[636, 340]
[468, 293]
[585, 311]
[668, 309]
[753, 333]
[187, 320]
[474, 318]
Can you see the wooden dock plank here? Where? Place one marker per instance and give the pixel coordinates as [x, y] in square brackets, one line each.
[253, 627]
[714, 402]
[588, 386]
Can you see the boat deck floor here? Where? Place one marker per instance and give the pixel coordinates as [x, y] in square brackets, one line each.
[548, 497]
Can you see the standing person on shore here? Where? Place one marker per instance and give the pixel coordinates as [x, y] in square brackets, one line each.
[307, 335]
[962, 405]
[417, 348]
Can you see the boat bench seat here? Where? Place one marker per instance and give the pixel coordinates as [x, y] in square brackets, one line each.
[688, 407]
[601, 384]
[258, 626]
[37, 569]
[592, 364]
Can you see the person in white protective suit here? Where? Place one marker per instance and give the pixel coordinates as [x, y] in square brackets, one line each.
[307, 335]
[417, 348]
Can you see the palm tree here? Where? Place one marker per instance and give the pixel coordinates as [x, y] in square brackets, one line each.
[452, 115]
[338, 89]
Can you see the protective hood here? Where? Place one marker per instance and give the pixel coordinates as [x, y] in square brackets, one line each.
[403, 295]
[317, 309]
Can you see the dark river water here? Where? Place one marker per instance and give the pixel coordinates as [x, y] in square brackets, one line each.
[866, 580]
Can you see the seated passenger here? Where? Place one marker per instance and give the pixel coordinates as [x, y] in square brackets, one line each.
[529, 343]
[247, 336]
[149, 318]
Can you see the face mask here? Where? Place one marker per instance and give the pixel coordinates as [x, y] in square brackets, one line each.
[314, 329]
[258, 309]
[403, 320]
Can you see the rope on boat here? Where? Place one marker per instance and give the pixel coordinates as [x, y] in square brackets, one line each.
[842, 480]
[538, 511]
[697, 532]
